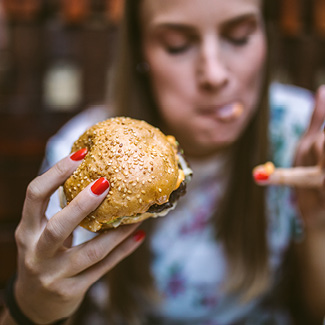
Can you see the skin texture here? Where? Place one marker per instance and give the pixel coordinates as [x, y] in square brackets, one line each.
[220, 54]
[55, 275]
[203, 58]
[311, 252]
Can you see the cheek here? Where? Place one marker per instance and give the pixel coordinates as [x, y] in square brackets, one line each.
[254, 61]
[172, 84]
[251, 72]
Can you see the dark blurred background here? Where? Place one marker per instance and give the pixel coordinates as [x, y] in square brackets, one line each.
[54, 60]
[55, 57]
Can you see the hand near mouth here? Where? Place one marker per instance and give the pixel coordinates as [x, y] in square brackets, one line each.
[305, 177]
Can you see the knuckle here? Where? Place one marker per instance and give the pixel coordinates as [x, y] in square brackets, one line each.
[53, 232]
[56, 288]
[80, 205]
[30, 266]
[95, 254]
[34, 190]
[19, 237]
[60, 168]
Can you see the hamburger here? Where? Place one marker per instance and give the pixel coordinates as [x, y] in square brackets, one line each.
[146, 170]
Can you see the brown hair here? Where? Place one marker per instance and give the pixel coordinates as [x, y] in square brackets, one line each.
[240, 223]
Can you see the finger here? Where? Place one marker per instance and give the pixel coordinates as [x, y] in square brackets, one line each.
[68, 242]
[62, 224]
[41, 188]
[311, 205]
[322, 146]
[311, 152]
[123, 250]
[302, 177]
[85, 255]
[318, 116]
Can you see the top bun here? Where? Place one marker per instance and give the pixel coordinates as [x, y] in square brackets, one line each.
[138, 160]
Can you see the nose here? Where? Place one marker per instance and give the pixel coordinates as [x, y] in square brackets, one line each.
[212, 71]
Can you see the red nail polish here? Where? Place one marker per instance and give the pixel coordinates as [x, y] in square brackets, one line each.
[139, 235]
[100, 186]
[261, 176]
[79, 155]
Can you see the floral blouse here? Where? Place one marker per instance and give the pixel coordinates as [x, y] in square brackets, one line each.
[189, 266]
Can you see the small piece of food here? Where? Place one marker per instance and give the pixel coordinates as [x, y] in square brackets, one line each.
[263, 172]
[307, 177]
[238, 109]
[146, 170]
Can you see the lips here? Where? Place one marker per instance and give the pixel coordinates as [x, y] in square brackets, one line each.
[223, 113]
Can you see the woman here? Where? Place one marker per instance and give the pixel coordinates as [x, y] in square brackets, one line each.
[186, 68]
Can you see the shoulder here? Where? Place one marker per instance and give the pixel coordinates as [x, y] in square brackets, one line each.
[60, 144]
[294, 102]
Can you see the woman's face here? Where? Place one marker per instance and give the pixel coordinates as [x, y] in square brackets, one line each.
[206, 62]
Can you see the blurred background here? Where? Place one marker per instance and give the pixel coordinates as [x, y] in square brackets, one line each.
[55, 57]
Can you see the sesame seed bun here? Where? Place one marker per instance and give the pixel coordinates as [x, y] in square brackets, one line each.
[139, 161]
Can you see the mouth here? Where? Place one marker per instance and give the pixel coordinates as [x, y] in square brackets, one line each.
[223, 113]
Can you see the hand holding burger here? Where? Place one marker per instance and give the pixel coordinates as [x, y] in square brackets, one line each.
[145, 168]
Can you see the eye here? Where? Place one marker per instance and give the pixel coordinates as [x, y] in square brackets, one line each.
[239, 33]
[174, 50]
[239, 41]
[175, 42]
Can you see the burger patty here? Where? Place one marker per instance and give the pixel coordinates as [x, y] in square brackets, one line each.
[174, 196]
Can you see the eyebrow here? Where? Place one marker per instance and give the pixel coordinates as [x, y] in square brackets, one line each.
[185, 27]
[239, 20]
[182, 27]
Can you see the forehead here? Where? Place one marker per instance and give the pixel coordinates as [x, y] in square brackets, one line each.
[196, 11]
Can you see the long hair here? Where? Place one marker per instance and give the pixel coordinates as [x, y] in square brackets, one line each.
[240, 223]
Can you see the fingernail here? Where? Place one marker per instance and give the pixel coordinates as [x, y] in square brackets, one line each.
[79, 155]
[261, 176]
[139, 235]
[100, 186]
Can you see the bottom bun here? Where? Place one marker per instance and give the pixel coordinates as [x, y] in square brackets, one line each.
[94, 226]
